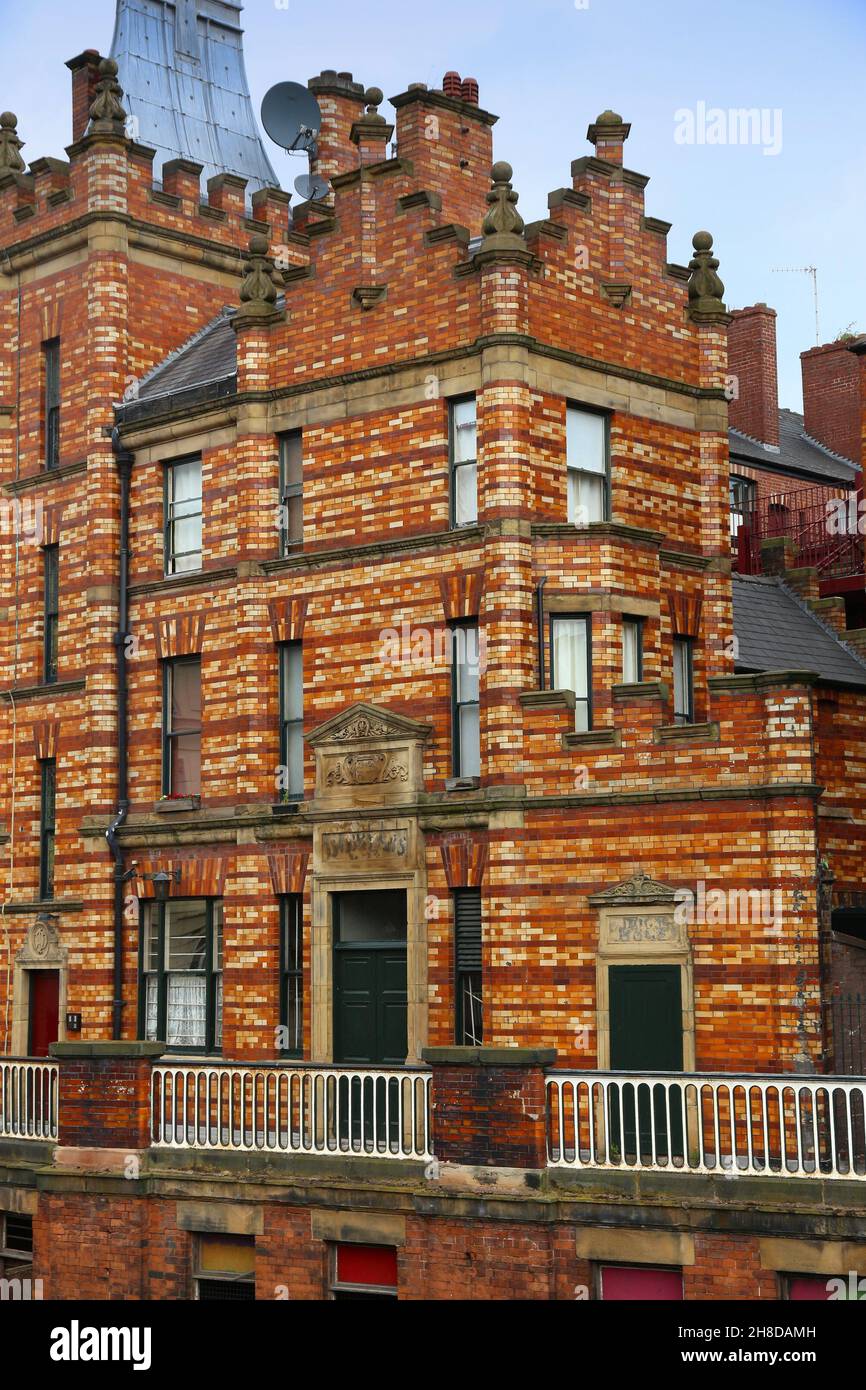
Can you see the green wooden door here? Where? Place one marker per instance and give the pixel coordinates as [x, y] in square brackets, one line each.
[370, 1005]
[370, 1013]
[646, 1035]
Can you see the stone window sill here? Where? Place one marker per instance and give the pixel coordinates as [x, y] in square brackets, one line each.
[687, 733]
[548, 699]
[593, 738]
[178, 803]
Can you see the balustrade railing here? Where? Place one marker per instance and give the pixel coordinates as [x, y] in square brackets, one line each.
[304, 1109]
[28, 1098]
[780, 1126]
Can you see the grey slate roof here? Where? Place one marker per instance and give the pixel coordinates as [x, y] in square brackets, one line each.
[798, 452]
[777, 632]
[181, 66]
[204, 367]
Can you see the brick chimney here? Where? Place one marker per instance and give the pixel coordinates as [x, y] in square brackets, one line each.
[752, 360]
[85, 75]
[341, 102]
[448, 139]
[833, 397]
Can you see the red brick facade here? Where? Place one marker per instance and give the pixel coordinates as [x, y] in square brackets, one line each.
[387, 319]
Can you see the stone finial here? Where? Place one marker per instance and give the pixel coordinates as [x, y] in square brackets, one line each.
[503, 219]
[258, 292]
[10, 145]
[705, 286]
[107, 116]
[374, 96]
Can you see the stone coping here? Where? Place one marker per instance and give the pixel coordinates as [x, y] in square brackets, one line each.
[489, 1056]
[98, 1050]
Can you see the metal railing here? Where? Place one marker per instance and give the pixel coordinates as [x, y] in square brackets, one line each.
[810, 517]
[847, 1013]
[782, 1126]
[28, 1098]
[292, 1109]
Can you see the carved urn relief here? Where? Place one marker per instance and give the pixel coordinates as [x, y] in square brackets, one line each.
[368, 756]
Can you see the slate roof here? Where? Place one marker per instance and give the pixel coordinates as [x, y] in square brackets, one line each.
[777, 632]
[205, 366]
[798, 453]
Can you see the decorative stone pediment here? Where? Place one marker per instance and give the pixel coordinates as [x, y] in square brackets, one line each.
[637, 918]
[42, 944]
[360, 723]
[368, 756]
[640, 888]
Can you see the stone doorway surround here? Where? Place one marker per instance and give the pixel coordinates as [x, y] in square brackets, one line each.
[42, 950]
[369, 765]
[638, 926]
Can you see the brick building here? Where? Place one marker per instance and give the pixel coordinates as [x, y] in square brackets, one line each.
[385, 791]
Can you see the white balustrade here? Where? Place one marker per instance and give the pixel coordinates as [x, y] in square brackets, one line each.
[787, 1126]
[28, 1099]
[305, 1109]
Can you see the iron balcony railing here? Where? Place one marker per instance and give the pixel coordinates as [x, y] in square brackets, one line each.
[816, 518]
[292, 1109]
[779, 1126]
[28, 1098]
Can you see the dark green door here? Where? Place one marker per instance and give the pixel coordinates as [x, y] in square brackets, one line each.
[646, 1034]
[370, 1007]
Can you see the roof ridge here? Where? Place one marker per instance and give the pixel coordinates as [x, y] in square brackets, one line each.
[820, 622]
[841, 458]
[226, 312]
[753, 439]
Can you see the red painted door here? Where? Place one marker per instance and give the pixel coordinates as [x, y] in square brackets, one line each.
[44, 1011]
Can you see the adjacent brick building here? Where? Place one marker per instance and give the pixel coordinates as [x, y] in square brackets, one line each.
[386, 542]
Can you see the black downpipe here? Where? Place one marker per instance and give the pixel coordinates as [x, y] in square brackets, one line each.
[123, 459]
[539, 598]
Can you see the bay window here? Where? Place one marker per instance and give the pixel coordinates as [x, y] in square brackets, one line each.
[684, 685]
[292, 720]
[292, 975]
[465, 693]
[586, 449]
[291, 492]
[464, 466]
[181, 727]
[570, 665]
[632, 651]
[181, 974]
[183, 497]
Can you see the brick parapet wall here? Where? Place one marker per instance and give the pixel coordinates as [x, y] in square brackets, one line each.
[104, 1094]
[489, 1106]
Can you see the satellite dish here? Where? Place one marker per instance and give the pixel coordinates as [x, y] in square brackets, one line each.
[291, 116]
[311, 188]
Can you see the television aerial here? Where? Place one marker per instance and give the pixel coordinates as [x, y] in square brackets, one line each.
[291, 117]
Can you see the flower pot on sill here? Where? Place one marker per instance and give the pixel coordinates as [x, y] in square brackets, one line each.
[178, 803]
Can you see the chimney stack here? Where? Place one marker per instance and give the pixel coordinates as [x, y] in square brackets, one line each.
[754, 410]
[833, 397]
[448, 139]
[85, 75]
[341, 102]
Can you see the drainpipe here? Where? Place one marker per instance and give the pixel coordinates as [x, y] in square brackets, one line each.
[539, 601]
[123, 459]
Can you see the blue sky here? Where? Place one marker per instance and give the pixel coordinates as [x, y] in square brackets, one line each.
[547, 68]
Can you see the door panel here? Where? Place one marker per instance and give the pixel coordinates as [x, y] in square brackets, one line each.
[391, 991]
[646, 1035]
[370, 1006]
[44, 1013]
[355, 1024]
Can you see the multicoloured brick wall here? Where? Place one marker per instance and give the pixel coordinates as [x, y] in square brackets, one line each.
[589, 310]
